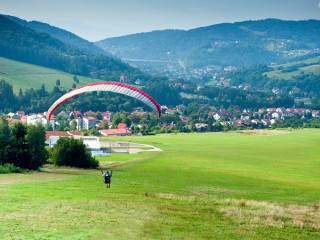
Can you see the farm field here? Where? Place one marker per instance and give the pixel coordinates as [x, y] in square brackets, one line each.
[235, 185]
[312, 66]
[24, 76]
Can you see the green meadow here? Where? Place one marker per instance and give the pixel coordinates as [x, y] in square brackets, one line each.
[312, 66]
[235, 185]
[24, 76]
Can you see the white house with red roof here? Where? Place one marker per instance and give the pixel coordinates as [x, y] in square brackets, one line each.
[171, 111]
[181, 107]
[244, 116]
[255, 121]
[265, 122]
[20, 113]
[271, 110]
[106, 115]
[290, 112]
[85, 123]
[40, 118]
[281, 109]
[276, 115]
[89, 122]
[316, 113]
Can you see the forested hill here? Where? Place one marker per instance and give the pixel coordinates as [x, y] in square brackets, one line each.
[237, 44]
[20, 43]
[68, 38]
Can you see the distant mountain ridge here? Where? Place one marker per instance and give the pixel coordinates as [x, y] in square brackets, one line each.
[237, 44]
[66, 37]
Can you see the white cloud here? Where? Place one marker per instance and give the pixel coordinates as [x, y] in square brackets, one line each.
[319, 4]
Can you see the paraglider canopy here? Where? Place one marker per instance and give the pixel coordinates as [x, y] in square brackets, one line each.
[108, 87]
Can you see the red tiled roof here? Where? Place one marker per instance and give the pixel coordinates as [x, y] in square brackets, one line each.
[170, 111]
[90, 118]
[12, 120]
[60, 133]
[114, 131]
[122, 126]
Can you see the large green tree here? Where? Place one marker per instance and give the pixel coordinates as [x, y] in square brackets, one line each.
[18, 147]
[36, 138]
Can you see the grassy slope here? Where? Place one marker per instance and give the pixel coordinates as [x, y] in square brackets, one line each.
[203, 186]
[313, 67]
[24, 75]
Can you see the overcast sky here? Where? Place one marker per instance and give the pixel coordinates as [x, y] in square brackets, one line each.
[99, 19]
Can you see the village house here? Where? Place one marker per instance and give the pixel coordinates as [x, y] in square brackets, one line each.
[40, 118]
[201, 127]
[138, 82]
[89, 122]
[171, 112]
[276, 115]
[85, 122]
[106, 115]
[13, 115]
[181, 107]
[269, 110]
[316, 113]
[219, 115]
[281, 110]
[255, 121]
[75, 114]
[273, 121]
[63, 113]
[265, 122]
[245, 116]
[20, 113]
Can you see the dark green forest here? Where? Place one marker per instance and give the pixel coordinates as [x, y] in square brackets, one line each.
[23, 44]
[66, 37]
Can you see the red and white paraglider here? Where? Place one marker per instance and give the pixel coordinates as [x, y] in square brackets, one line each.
[108, 87]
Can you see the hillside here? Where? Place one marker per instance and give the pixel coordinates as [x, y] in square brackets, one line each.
[66, 37]
[300, 78]
[20, 43]
[25, 76]
[236, 44]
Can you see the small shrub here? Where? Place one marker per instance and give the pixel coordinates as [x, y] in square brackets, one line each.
[9, 168]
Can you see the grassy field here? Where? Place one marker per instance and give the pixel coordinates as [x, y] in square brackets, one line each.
[24, 75]
[245, 185]
[313, 66]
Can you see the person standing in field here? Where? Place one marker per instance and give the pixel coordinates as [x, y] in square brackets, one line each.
[107, 177]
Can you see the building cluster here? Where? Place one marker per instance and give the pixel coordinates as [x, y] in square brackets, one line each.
[234, 117]
[246, 118]
[265, 117]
